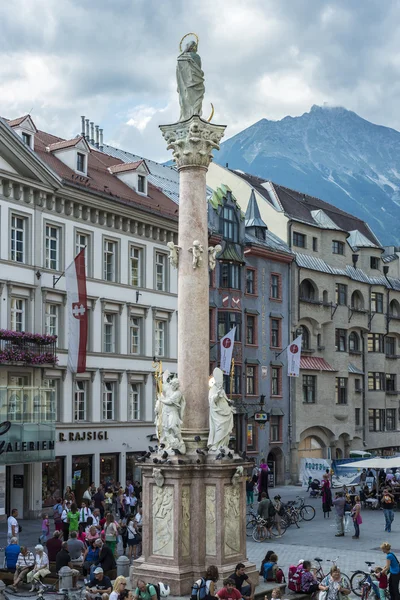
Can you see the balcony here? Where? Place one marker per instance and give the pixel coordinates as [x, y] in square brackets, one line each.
[24, 348]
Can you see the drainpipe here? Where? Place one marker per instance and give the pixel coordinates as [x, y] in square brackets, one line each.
[385, 272]
[364, 410]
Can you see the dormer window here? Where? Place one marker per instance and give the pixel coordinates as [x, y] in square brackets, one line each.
[27, 139]
[80, 162]
[141, 184]
[133, 175]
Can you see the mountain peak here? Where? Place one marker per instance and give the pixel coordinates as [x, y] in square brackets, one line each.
[329, 152]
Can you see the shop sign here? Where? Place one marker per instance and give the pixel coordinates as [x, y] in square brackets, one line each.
[26, 442]
[82, 436]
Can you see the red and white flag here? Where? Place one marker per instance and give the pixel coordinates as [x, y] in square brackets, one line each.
[227, 343]
[77, 313]
[293, 357]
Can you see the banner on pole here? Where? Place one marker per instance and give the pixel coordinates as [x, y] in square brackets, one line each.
[293, 357]
[227, 343]
[77, 313]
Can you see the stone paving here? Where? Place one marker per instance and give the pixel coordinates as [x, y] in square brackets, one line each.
[314, 538]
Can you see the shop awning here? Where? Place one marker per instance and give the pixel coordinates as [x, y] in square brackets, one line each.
[314, 363]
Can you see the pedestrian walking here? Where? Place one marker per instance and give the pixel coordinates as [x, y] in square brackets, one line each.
[45, 529]
[387, 503]
[339, 504]
[12, 526]
[65, 522]
[326, 495]
[393, 568]
[356, 516]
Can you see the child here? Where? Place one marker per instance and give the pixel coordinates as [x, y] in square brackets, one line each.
[45, 529]
[270, 568]
[275, 594]
[229, 591]
[383, 581]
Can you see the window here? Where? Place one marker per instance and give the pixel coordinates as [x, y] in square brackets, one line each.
[52, 247]
[82, 243]
[80, 400]
[315, 244]
[51, 398]
[230, 229]
[80, 162]
[391, 419]
[341, 390]
[377, 302]
[228, 320]
[108, 401]
[374, 262]
[230, 276]
[375, 342]
[376, 419]
[357, 385]
[354, 342]
[275, 287]
[391, 382]
[305, 338]
[275, 428]
[18, 314]
[159, 328]
[135, 335]
[341, 294]
[337, 247]
[357, 301]
[341, 340]
[250, 380]
[275, 333]
[141, 184]
[394, 309]
[376, 381]
[161, 272]
[357, 416]
[109, 332]
[136, 260]
[390, 346]
[299, 239]
[51, 319]
[309, 388]
[134, 402]
[276, 381]
[18, 238]
[27, 139]
[109, 260]
[250, 330]
[236, 382]
[308, 291]
[250, 281]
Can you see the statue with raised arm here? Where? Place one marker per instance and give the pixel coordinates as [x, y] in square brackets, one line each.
[190, 80]
[221, 413]
[170, 407]
[212, 256]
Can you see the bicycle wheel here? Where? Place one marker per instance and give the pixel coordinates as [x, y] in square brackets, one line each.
[307, 512]
[274, 528]
[251, 523]
[346, 580]
[259, 533]
[356, 582]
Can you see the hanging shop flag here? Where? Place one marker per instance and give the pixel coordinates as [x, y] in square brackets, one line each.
[77, 313]
[293, 356]
[227, 343]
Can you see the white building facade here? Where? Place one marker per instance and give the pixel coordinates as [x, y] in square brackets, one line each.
[57, 197]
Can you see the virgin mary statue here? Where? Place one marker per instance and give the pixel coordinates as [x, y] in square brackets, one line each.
[190, 79]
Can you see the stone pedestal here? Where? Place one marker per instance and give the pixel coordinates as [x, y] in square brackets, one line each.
[198, 517]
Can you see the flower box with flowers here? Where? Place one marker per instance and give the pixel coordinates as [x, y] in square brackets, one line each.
[27, 348]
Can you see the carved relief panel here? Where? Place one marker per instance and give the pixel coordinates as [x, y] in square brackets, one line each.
[232, 520]
[163, 521]
[211, 531]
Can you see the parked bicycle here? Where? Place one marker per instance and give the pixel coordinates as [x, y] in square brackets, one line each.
[263, 528]
[320, 574]
[362, 582]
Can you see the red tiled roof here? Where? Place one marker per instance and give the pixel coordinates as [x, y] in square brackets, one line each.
[125, 167]
[15, 122]
[314, 363]
[100, 180]
[65, 144]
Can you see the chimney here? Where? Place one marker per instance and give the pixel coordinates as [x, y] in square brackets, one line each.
[97, 136]
[92, 132]
[101, 139]
[83, 125]
[87, 130]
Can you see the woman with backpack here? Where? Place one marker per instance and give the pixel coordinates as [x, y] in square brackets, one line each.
[211, 578]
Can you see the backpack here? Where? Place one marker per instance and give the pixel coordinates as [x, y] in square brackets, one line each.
[279, 576]
[156, 586]
[57, 513]
[294, 578]
[199, 590]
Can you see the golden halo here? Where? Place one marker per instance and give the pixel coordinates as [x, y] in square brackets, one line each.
[185, 36]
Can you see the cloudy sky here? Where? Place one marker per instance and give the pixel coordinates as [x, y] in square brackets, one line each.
[114, 61]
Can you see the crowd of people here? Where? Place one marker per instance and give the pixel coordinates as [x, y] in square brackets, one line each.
[85, 537]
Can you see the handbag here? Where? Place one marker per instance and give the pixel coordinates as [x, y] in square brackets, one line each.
[322, 595]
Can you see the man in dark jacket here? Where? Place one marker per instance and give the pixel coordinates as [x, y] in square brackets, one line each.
[106, 559]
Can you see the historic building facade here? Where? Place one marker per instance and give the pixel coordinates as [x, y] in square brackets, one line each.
[57, 197]
[345, 294]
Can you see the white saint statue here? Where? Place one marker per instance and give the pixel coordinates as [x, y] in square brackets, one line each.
[221, 413]
[170, 408]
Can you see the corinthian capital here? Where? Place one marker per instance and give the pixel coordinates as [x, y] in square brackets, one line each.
[192, 141]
